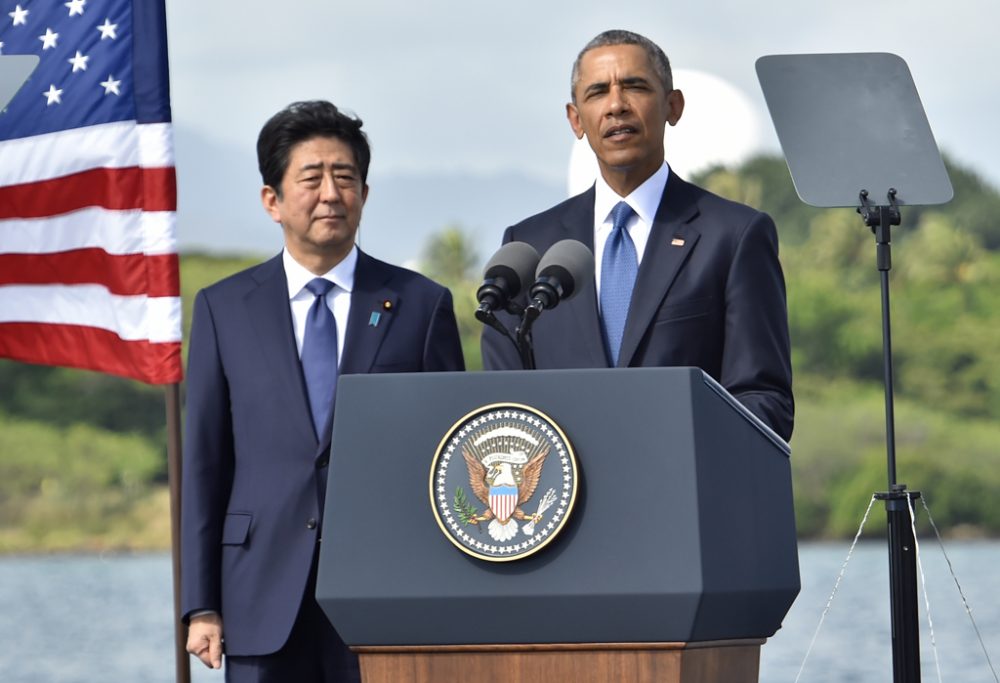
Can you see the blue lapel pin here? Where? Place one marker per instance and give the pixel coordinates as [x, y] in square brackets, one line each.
[376, 316]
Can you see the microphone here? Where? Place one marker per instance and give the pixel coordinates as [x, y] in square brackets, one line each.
[506, 274]
[564, 268]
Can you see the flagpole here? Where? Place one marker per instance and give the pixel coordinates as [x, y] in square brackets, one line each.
[173, 400]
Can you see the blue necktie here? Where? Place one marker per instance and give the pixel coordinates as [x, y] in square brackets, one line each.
[319, 353]
[619, 266]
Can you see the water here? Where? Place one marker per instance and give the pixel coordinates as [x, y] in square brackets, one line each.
[80, 619]
[854, 642]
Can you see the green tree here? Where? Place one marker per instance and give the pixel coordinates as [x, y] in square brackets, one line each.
[940, 254]
[764, 183]
[450, 258]
[65, 488]
[973, 211]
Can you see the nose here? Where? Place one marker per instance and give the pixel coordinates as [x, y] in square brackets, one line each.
[328, 190]
[617, 102]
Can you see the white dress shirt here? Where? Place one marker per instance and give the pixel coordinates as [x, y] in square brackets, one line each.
[338, 299]
[644, 200]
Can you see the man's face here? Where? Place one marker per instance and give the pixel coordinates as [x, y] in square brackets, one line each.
[321, 200]
[622, 108]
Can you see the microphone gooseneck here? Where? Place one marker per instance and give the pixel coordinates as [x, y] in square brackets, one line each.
[561, 271]
[557, 276]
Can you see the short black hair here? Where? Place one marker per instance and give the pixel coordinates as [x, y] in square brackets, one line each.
[301, 121]
[657, 58]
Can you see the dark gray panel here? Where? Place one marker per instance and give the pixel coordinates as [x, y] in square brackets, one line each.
[751, 571]
[849, 122]
[631, 565]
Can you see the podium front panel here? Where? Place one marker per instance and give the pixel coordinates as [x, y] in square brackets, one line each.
[682, 530]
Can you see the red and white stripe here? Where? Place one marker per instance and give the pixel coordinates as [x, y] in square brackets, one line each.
[88, 253]
[503, 503]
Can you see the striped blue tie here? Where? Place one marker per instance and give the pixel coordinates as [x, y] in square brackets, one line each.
[619, 267]
[319, 354]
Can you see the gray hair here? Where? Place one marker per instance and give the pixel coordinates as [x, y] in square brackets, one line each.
[619, 37]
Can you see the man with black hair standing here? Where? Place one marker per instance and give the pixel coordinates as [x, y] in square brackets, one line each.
[267, 346]
[683, 277]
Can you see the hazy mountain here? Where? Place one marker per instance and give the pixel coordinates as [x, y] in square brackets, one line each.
[219, 205]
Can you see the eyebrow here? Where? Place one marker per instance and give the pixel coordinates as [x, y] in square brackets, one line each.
[318, 166]
[634, 80]
[604, 86]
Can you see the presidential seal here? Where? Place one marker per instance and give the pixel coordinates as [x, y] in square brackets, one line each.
[503, 482]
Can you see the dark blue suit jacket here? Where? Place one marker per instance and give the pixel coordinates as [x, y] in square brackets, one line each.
[710, 294]
[254, 473]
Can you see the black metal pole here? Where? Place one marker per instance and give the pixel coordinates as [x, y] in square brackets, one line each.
[902, 548]
[903, 586]
[523, 335]
[883, 258]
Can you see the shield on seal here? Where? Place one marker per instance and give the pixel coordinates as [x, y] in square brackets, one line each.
[503, 502]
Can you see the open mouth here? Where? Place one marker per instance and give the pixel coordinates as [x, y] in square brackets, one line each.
[619, 132]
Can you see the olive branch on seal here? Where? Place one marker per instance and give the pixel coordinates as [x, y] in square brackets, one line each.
[466, 512]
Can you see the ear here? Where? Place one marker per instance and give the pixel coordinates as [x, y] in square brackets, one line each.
[269, 198]
[675, 104]
[573, 115]
[364, 194]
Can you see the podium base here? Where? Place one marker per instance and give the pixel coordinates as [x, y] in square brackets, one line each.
[729, 661]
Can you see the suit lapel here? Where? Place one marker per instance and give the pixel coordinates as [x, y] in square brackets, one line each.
[271, 319]
[372, 308]
[578, 222]
[671, 240]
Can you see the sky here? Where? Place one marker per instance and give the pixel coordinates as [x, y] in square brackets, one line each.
[464, 102]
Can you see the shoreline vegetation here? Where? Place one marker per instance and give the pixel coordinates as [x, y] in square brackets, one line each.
[83, 455]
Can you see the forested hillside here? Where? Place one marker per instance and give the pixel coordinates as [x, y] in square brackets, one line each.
[945, 316]
[82, 455]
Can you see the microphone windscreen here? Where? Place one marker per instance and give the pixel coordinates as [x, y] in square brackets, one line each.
[570, 262]
[516, 263]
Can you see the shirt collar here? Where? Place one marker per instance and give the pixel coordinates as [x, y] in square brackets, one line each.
[644, 200]
[342, 274]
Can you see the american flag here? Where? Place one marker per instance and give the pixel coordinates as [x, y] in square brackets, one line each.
[88, 254]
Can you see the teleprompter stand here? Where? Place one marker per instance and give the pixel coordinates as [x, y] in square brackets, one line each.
[854, 134]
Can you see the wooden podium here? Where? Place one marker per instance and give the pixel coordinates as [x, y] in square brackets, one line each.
[678, 561]
[705, 662]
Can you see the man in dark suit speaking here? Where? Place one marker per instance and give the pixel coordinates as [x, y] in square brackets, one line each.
[683, 277]
[267, 346]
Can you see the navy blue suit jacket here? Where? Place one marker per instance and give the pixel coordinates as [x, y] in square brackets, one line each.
[254, 472]
[710, 294]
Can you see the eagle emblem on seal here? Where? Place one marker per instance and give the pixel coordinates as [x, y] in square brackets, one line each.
[504, 482]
